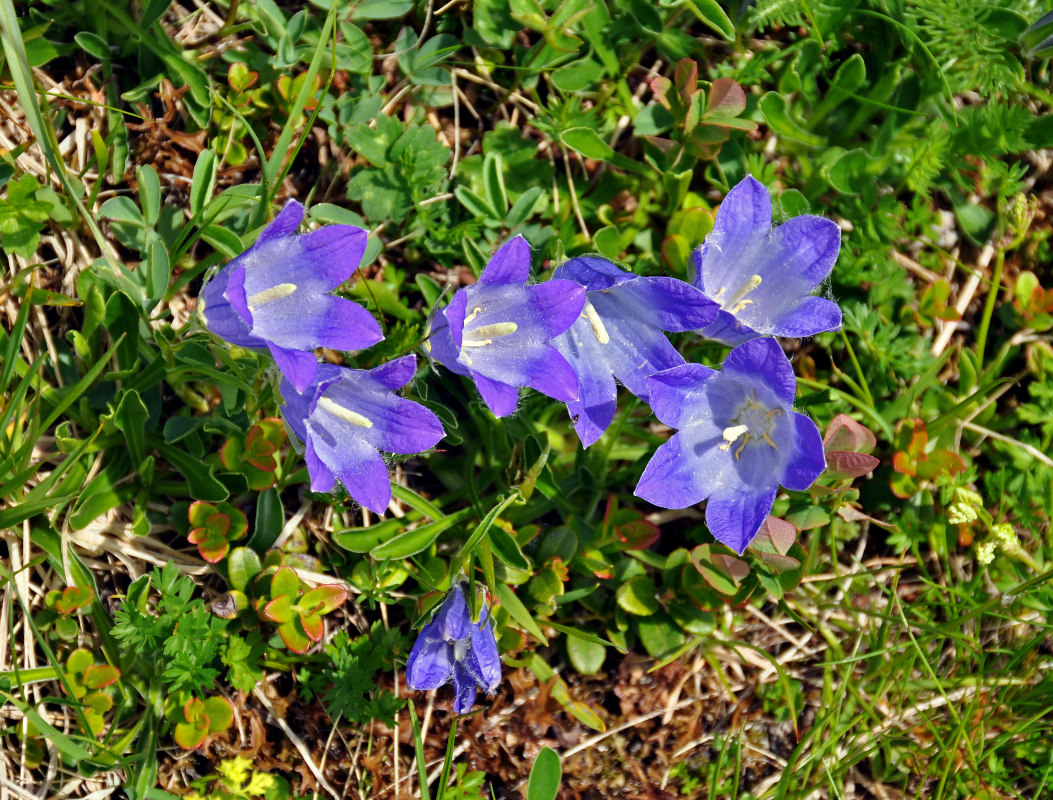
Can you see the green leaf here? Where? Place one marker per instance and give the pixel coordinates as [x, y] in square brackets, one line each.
[709, 12]
[586, 657]
[545, 776]
[507, 549]
[587, 142]
[419, 539]
[637, 596]
[203, 183]
[130, 418]
[776, 112]
[149, 193]
[198, 475]
[518, 612]
[242, 566]
[270, 519]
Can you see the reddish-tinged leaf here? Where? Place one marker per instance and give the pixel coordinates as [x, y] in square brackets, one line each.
[99, 675]
[285, 582]
[638, 534]
[661, 87]
[313, 626]
[842, 464]
[199, 513]
[212, 550]
[735, 568]
[73, 598]
[219, 712]
[779, 564]
[685, 76]
[904, 463]
[776, 536]
[190, 735]
[230, 454]
[323, 599]
[279, 609]
[294, 638]
[849, 513]
[844, 433]
[726, 98]
[940, 462]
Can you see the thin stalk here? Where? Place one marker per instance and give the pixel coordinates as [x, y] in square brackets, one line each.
[989, 304]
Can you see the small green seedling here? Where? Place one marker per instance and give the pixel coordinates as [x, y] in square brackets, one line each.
[60, 611]
[915, 461]
[298, 617]
[257, 457]
[196, 719]
[86, 680]
[214, 528]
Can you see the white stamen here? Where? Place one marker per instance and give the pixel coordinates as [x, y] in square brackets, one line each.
[495, 330]
[345, 414]
[270, 295]
[736, 301]
[597, 324]
[470, 317]
[732, 434]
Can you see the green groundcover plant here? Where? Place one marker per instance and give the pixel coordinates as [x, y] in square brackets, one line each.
[356, 349]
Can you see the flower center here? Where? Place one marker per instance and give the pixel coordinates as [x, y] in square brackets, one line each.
[738, 301]
[483, 335]
[270, 295]
[460, 649]
[345, 414]
[600, 332]
[751, 421]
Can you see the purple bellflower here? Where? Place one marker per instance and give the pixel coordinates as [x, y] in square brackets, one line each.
[452, 648]
[346, 415]
[275, 295]
[762, 278]
[619, 335]
[738, 438]
[498, 331]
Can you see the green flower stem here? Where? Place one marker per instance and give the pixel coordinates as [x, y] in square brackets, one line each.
[989, 304]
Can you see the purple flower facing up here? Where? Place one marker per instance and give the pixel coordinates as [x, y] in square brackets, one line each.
[498, 331]
[346, 415]
[738, 438]
[275, 295]
[452, 648]
[762, 278]
[619, 335]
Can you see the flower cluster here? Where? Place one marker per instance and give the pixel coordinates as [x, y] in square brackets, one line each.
[276, 296]
[573, 337]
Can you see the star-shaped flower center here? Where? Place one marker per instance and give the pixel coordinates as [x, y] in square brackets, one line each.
[752, 421]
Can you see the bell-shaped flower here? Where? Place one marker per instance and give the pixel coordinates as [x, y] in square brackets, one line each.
[762, 278]
[345, 416]
[275, 295]
[619, 335]
[499, 331]
[738, 438]
[453, 649]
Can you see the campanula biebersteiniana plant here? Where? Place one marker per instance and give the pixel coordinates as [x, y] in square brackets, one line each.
[452, 648]
[738, 439]
[763, 278]
[499, 331]
[275, 295]
[619, 335]
[346, 415]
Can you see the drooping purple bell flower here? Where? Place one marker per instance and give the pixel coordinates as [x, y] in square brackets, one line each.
[738, 439]
[453, 649]
[275, 295]
[499, 331]
[762, 278]
[345, 416]
[619, 335]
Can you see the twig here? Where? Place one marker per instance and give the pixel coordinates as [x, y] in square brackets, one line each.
[297, 743]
